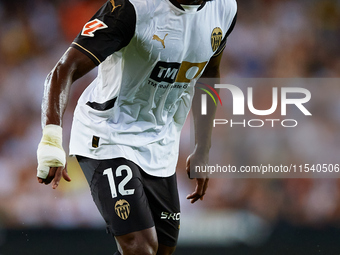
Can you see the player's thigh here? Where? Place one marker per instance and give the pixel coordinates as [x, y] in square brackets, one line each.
[163, 199]
[117, 191]
[165, 250]
[140, 242]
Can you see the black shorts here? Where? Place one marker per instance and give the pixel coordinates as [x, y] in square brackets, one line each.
[131, 200]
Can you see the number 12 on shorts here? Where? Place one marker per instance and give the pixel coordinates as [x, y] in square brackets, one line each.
[121, 185]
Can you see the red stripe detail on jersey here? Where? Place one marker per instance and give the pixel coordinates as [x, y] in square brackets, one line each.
[92, 26]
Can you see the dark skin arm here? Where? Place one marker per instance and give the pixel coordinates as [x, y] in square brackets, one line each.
[203, 129]
[72, 65]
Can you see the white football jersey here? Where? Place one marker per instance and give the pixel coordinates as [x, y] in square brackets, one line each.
[150, 54]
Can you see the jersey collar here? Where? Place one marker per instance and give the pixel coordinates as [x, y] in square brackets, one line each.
[175, 3]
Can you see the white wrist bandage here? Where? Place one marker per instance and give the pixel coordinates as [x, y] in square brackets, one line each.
[50, 151]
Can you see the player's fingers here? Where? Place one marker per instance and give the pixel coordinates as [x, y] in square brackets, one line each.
[57, 177]
[65, 175]
[193, 197]
[190, 196]
[205, 188]
[196, 191]
[197, 194]
[187, 168]
[49, 177]
[200, 186]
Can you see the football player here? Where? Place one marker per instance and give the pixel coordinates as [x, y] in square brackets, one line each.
[127, 122]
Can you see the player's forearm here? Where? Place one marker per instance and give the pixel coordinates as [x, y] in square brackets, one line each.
[204, 123]
[70, 67]
[56, 92]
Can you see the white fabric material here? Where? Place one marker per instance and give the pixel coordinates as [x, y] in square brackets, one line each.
[190, 8]
[50, 152]
[145, 123]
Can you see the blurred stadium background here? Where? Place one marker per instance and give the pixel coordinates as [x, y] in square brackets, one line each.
[273, 38]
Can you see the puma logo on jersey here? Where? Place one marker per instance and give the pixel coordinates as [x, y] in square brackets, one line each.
[156, 37]
[114, 5]
[92, 26]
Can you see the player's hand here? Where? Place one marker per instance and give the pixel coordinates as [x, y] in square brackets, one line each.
[51, 157]
[198, 159]
[54, 176]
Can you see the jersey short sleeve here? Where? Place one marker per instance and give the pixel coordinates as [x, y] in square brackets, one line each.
[108, 31]
[224, 40]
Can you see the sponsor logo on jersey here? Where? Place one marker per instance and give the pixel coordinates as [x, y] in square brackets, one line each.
[122, 208]
[171, 72]
[216, 38]
[157, 38]
[92, 26]
[114, 6]
[165, 71]
[170, 216]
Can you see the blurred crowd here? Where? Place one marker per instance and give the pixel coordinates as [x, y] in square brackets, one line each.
[272, 38]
